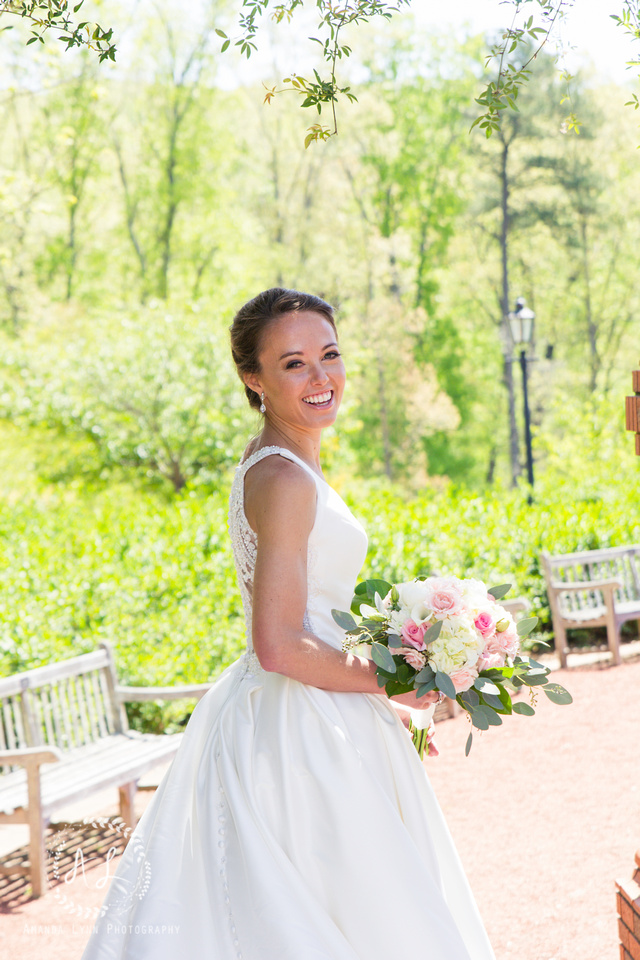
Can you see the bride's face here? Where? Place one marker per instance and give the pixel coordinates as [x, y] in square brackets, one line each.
[301, 371]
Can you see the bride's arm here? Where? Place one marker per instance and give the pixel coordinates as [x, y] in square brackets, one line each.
[280, 505]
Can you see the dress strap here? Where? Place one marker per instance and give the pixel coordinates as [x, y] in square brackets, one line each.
[269, 451]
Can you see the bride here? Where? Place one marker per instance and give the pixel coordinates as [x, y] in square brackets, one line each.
[296, 821]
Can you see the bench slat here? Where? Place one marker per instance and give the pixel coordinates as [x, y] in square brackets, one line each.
[83, 731]
[120, 759]
[9, 725]
[51, 672]
[101, 710]
[87, 696]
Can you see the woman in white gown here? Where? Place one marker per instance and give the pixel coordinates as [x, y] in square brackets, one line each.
[296, 821]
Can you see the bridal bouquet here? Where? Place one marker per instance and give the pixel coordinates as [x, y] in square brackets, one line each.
[451, 635]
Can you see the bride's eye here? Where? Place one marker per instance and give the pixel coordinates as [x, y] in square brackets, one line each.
[332, 354]
[292, 363]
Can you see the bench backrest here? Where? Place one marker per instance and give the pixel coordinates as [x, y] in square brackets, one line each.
[65, 704]
[622, 563]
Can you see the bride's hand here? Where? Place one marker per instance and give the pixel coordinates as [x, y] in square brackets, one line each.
[417, 703]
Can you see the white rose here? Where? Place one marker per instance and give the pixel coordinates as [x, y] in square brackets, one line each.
[474, 593]
[411, 593]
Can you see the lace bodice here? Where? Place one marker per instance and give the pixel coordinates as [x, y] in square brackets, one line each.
[336, 551]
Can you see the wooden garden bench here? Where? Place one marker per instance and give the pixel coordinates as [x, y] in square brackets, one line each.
[64, 735]
[597, 588]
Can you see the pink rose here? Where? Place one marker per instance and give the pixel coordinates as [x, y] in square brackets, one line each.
[414, 658]
[444, 597]
[412, 633]
[485, 623]
[510, 641]
[463, 679]
[489, 661]
[506, 643]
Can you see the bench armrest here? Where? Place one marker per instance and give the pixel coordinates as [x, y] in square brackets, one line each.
[561, 587]
[129, 694]
[30, 756]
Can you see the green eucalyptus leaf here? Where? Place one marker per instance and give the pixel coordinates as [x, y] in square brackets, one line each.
[445, 684]
[424, 675]
[534, 679]
[524, 709]
[499, 592]
[478, 719]
[524, 627]
[467, 749]
[486, 686]
[433, 632]
[394, 640]
[492, 717]
[492, 701]
[426, 687]
[558, 694]
[344, 620]
[534, 664]
[469, 698]
[381, 656]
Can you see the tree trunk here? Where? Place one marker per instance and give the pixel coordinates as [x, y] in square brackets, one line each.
[514, 444]
[384, 418]
[71, 265]
[592, 326]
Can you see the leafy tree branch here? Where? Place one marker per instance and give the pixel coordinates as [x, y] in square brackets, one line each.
[56, 15]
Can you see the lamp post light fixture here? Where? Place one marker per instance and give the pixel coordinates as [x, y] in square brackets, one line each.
[521, 328]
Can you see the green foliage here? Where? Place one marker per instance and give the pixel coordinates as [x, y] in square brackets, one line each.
[153, 391]
[154, 578]
[333, 20]
[45, 15]
[497, 534]
[154, 575]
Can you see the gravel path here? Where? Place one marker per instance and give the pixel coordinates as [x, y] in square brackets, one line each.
[545, 813]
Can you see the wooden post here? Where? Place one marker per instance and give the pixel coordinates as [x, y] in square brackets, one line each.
[633, 409]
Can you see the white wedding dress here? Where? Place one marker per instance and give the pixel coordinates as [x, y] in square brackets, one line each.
[294, 823]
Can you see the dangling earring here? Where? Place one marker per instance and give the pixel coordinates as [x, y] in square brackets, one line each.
[263, 409]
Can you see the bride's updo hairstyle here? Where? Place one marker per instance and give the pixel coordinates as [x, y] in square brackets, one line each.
[252, 321]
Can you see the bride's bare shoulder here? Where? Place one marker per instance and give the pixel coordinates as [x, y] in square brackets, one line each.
[276, 486]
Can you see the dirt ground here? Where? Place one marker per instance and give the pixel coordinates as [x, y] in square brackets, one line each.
[545, 813]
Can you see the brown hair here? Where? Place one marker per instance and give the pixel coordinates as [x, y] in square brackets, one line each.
[252, 320]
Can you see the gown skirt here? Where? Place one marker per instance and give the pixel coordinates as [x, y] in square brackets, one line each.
[294, 823]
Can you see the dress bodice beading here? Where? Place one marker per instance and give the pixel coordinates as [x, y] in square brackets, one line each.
[336, 551]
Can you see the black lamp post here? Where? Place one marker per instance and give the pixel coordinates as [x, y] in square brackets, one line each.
[521, 327]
